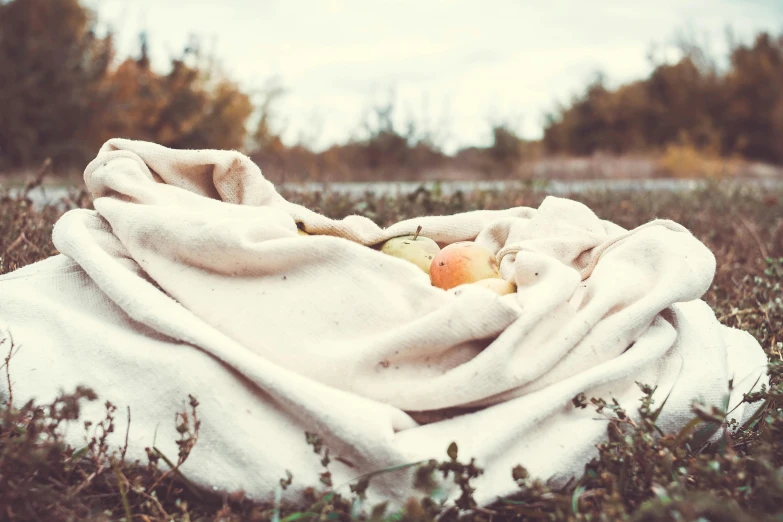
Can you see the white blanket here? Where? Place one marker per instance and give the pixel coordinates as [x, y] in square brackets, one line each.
[190, 278]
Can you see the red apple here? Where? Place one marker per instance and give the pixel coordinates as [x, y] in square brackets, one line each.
[461, 263]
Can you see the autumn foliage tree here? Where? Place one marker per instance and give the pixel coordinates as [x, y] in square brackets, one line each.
[737, 112]
[753, 115]
[52, 66]
[192, 106]
[62, 95]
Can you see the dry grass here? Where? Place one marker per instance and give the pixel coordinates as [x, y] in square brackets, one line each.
[639, 475]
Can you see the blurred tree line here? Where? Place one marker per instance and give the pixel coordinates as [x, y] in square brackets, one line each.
[733, 113]
[63, 93]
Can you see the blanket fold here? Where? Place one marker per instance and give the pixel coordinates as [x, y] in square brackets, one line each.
[189, 277]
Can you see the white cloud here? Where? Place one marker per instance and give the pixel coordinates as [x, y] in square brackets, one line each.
[498, 58]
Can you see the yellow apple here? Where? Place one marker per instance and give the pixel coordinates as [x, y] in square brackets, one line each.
[417, 249]
[499, 286]
[461, 263]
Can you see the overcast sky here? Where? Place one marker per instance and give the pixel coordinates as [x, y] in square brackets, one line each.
[454, 65]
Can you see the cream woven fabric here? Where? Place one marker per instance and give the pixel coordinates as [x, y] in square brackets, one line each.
[189, 277]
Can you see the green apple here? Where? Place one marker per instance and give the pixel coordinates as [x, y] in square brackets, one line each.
[417, 249]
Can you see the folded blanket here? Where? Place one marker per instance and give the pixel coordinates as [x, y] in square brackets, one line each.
[189, 277]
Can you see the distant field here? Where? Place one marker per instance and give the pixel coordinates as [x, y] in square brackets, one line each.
[63, 195]
[598, 167]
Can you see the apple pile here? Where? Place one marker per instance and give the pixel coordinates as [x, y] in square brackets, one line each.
[463, 262]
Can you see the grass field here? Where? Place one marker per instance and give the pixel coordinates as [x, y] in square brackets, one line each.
[638, 475]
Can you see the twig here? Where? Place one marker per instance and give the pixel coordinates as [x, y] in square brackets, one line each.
[57, 483]
[156, 502]
[122, 483]
[87, 481]
[165, 474]
[592, 493]
[173, 471]
[766, 316]
[15, 243]
[775, 348]
[23, 238]
[127, 430]
[39, 176]
[7, 365]
[736, 313]
[755, 235]
[31, 244]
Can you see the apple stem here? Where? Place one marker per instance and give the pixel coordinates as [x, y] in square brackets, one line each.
[417, 233]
